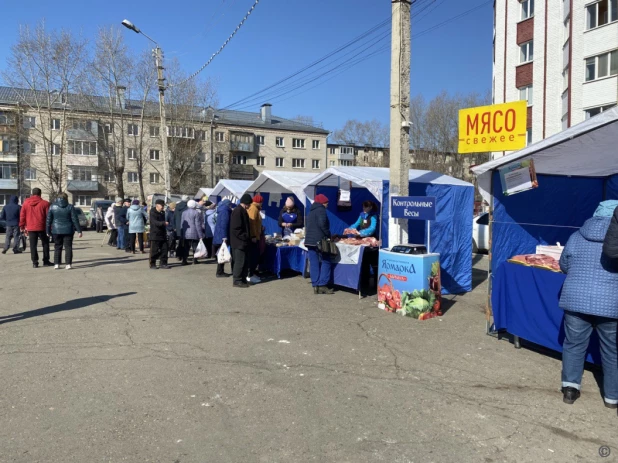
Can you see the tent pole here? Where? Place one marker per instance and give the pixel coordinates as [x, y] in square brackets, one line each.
[488, 308]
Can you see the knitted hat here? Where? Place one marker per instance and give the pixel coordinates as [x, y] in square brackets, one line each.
[160, 201]
[185, 198]
[258, 199]
[289, 202]
[246, 199]
[135, 202]
[192, 204]
[119, 201]
[321, 199]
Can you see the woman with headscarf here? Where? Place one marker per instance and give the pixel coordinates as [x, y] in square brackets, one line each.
[192, 230]
[209, 226]
[137, 225]
[290, 218]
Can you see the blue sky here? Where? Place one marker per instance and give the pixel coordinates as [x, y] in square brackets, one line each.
[282, 36]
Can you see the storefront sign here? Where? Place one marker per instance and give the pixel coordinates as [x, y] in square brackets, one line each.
[413, 207]
[518, 176]
[500, 127]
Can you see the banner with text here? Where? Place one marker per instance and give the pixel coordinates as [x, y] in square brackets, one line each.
[500, 127]
[518, 176]
[413, 207]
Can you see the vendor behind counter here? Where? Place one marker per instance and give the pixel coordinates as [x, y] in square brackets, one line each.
[290, 218]
[367, 223]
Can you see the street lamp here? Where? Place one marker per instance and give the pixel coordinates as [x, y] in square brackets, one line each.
[213, 117]
[158, 55]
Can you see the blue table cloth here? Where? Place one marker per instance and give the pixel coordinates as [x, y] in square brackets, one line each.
[349, 275]
[281, 258]
[525, 304]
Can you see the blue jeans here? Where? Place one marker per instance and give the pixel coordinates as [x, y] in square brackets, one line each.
[121, 242]
[577, 329]
[320, 267]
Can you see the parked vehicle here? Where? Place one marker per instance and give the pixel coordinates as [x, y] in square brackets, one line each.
[480, 233]
[81, 217]
[104, 204]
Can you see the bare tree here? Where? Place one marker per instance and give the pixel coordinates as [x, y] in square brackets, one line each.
[355, 132]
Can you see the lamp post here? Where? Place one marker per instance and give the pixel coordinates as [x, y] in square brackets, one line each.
[158, 55]
[212, 162]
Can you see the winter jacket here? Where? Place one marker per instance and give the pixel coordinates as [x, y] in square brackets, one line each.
[610, 243]
[180, 208]
[192, 225]
[369, 221]
[209, 223]
[318, 225]
[33, 215]
[591, 285]
[137, 219]
[62, 219]
[294, 217]
[240, 234]
[255, 221]
[120, 215]
[169, 218]
[110, 219]
[222, 226]
[158, 230]
[10, 212]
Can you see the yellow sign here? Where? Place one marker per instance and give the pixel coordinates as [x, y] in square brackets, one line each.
[500, 127]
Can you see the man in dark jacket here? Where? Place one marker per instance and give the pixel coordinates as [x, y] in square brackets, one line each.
[318, 228]
[240, 239]
[158, 236]
[10, 213]
[32, 220]
[61, 224]
[180, 208]
[120, 218]
[171, 233]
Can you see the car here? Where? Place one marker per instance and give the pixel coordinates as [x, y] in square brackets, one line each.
[81, 217]
[480, 233]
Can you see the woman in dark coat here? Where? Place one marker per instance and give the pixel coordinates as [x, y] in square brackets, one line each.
[318, 228]
[61, 224]
[222, 232]
[290, 218]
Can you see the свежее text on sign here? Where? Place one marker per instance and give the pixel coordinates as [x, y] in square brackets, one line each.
[500, 127]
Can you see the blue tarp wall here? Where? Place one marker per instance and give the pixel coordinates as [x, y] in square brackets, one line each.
[561, 204]
[451, 232]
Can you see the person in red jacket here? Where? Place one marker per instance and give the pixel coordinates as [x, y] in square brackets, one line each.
[32, 222]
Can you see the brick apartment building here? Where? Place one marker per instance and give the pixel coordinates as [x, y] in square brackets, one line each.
[559, 55]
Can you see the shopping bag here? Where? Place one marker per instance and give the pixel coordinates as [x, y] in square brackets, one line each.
[224, 256]
[200, 251]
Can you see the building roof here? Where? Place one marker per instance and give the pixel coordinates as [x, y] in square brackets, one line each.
[93, 103]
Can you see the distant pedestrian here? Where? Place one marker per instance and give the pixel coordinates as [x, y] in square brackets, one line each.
[110, 221]
[10, 214]
[32, 220]
[240, 240]
[318, 228]
[255, 225]
[171, 233]
[192, 230]
[98, 216]
[158, 236]
[120, 215]
[180, 208]
[209, 226]
[221, 232]
[137, 225]
[62, 223]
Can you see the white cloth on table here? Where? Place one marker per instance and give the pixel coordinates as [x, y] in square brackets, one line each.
[348, 254]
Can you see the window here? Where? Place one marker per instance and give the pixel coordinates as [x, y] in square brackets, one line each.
[83, 148]
[259, 140]
[109, 177]
[346, 163]
[54, 149]
[132, 177]
[180, 132]
[332, 163]
[133, 129]
[280, 142]
[4, 199]
[526, 52]
[8, 171]
[601, 66]
[6, 119]
[279, 162]
[81, 125]
[239, 159]
[82, 200]
[527, 9]
[525, 93]
[54, 124]
[111, 152]
[565, 79]
[219, 136]
[349, 150]
[154, 155]
[315, 144]
[29, 122]
[132, 153]
[333, 151]
[155, 177]
[219, 159]
[5, 144]
[601, 13]
[154, 131]
[298, 163]
[315, 164]
[108, 128]
[260, 160]
[298, 143]
[28, 147]
[528, 137]
[598, 110]
[29, 173]
[200, 135]
[566, 30]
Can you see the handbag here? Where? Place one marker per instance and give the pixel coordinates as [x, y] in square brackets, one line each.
[326, 246]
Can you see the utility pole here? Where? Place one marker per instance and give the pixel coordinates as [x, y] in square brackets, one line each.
[400, 114]
[158, 54]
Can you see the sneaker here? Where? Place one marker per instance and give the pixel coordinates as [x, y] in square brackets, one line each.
[254, 280]
[609, 405]
[153, 267]
[56, 267]
[570, 395]
[165, 267]
[241, 284]
[68, 267]
[325, 290]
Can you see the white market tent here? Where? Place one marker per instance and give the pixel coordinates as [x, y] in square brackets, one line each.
[229, 189]
[279, 182]
[203, 192]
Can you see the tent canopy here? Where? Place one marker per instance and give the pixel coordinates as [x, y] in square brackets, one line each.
[203, 192]
[226, 188]
[279, 182]
[587, 149]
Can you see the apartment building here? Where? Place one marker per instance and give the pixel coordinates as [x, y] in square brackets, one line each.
[561, 56]
[82, 144]
[352, 155]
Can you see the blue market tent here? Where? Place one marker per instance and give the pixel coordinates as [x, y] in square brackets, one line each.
[451, 232]
[229, 189]
[275, 187]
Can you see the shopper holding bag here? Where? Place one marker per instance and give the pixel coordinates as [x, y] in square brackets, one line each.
[318, 229]
[221, 233]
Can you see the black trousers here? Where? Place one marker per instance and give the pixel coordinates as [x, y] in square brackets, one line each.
[113, 238]
[34, 241]
[99, 224]
[240, 268]
[221, 267]
[208, 244]
[140, 239]
[158, 250]
[254, 257]
[189, 244]
[66, 242]
[181, 249]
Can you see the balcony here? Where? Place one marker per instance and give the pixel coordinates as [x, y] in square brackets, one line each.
[241, 172]
[80, 160]
[82, 185]
[8, 156]
[8, 184]
[346, 154]
[242, 142]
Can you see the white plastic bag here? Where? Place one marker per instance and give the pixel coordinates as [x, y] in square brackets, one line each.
[224, 256]
[200, 251]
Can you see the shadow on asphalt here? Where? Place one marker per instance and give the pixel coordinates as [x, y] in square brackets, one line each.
[69, 305]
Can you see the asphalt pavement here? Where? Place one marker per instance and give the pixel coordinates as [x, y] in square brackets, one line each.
[112, 362]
